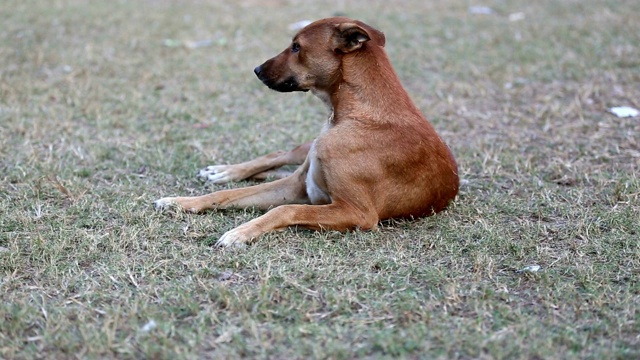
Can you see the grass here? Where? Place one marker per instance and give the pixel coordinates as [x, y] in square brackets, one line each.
[99, 118]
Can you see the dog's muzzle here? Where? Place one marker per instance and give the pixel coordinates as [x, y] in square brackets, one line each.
[258, 71]
[288, 85]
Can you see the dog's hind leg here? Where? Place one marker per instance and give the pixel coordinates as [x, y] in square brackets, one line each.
[259, 168]
[339, 216]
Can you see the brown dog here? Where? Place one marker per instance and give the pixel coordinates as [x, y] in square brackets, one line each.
[376, 157]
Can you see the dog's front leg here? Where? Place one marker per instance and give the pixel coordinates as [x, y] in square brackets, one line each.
[339, 216]
[290, 190]
[258, 168]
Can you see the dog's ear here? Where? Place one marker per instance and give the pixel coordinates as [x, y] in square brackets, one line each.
[350, 37]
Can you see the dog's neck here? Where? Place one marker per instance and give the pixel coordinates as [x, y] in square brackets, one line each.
[358, 95]
[325, 97]
[357, 90]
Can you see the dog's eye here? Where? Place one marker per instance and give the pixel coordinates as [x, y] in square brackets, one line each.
[295, 47]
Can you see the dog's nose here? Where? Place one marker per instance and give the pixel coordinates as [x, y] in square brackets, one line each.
[258, 70]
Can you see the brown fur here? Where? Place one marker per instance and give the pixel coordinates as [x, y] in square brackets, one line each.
[376, 158]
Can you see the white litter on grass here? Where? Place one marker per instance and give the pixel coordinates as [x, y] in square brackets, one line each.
[4, 249]
[171, 42]
[481, 10]
[149, 326]
[530, 268]
[227, 275]
[198, 44]
[624, 111]
[299, 25]
[193, 44]
[38, 211]
[516, 16]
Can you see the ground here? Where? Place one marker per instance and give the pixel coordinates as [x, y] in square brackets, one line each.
[106, 106]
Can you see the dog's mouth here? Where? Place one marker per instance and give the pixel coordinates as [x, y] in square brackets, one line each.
[288, 85]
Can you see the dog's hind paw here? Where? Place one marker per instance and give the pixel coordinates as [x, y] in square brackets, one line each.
[233, 238]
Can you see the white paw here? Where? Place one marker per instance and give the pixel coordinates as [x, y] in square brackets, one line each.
[164, 203]
[217, 174]
[233, 238]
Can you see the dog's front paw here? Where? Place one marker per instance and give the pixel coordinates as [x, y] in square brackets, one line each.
[165, 203]
[219, 174]
[188, 204]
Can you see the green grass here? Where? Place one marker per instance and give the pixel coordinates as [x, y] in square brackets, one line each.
[98, 118]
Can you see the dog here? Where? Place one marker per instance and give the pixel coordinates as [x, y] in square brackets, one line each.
[377, 157]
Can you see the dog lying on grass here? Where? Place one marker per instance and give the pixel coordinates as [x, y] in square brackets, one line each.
[376, 157]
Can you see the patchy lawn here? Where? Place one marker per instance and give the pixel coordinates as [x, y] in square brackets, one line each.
[104, 109]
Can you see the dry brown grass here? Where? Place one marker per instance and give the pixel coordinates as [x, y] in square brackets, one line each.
[98, 118]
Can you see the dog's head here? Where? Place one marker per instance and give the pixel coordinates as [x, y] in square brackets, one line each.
[313, 60]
